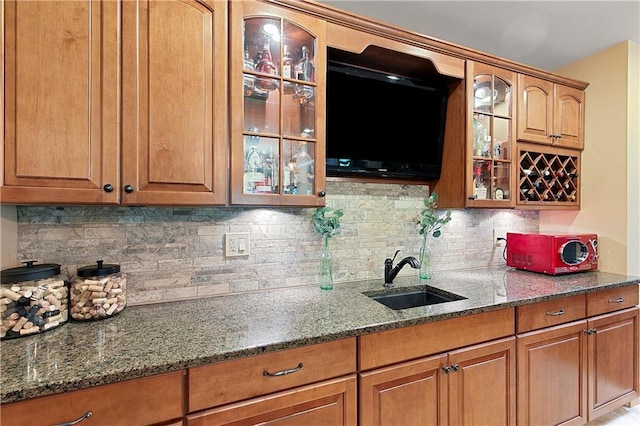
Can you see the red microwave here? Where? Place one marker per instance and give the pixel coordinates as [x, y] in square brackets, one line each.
[552, 254]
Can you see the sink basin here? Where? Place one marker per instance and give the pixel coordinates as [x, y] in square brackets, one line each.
[412, 297]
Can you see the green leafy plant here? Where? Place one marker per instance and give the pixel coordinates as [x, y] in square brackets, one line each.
[326, 221]
[430, 222]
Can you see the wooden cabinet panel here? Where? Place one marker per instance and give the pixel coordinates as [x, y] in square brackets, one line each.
[230, 381]
[174, 108]
[61, 110]
[568, 124]
[613, 361]
[142, 401]
[550, 113]
[552, 375]
[611, 300]
[389, 347]
[482, 384]
[550, 312]
[332, 402]
[413, 392]
[472, 385]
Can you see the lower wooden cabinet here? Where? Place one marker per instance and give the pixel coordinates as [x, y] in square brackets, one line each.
[472, 385]
[332, 402]
[309, 385]
[552, 380]
[574, 372]
[612, 361]
[149, 400]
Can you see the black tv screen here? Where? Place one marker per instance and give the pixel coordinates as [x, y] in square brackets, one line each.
[383, 127]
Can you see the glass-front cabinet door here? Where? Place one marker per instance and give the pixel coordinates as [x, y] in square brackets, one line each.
[490, 137]
[277, 106]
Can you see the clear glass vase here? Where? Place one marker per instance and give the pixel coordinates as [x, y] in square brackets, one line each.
[425, 259]
[326, 266]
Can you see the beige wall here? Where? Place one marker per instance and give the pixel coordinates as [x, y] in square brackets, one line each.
[609, 195]
[9, 236]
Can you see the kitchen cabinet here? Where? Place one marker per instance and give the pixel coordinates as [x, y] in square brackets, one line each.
[548, 178]
[277, 102]
[550, 113]
[61, 109]
[573, 367]
[314, 384]
[490, 171]
[63, 140]
[148, 400]
[174, 112]
[469, 383]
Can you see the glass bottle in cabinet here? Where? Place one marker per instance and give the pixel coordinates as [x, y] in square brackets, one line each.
[279, 154]
[491, 137]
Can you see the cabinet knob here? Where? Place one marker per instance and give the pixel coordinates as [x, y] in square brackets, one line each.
[108, 188]
[446, 369]
[322, 194]
[128, 189]
[455, 367]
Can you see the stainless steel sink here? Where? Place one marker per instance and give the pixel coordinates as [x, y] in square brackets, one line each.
[412, 297]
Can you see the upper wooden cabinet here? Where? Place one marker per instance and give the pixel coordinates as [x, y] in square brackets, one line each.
[277, 88]
[63, 120]
[490, 137]
[550, 113]
[174, 112]
[61, 102]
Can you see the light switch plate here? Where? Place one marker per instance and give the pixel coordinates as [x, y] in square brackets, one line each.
[236, 244]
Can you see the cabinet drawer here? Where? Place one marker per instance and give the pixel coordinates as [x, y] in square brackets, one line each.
[403, 344]
[332, 402]
[551, 312]
[142, 401]
[612, 299]
[230, 381]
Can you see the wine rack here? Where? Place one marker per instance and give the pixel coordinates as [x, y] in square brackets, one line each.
[549, 178]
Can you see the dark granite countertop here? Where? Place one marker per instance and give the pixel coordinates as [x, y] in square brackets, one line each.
[152, 339]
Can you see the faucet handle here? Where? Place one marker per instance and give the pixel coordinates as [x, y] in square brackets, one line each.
[394, 256]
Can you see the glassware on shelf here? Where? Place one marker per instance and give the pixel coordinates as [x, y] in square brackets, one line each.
[304, 68]
[264, 64]
[479, 189]
[287, 63]
[247, 79]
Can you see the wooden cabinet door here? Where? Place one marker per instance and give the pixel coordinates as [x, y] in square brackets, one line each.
[277, 116]
[550, 114]
[61, 102]
[535, 109]
[568, 113]
[613, 361]
[482, 384]
[410, 393]
[552, 375]
[332, 402]
[174, 102]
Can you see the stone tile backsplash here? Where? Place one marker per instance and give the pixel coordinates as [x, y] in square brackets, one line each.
[178, 253]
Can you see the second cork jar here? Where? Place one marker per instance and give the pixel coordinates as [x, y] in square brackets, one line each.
[98, 291]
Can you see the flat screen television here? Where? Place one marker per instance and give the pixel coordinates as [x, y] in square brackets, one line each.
[383, 127]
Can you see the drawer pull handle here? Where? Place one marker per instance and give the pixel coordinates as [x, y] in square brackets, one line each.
[283, 372]
[75, 422]
[556, 314]
[618, 300]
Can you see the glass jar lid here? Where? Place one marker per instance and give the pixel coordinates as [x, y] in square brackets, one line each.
[98, 270]
[29, 272]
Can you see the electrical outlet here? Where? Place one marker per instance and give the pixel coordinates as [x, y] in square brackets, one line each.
[236, 244]
[498, 233]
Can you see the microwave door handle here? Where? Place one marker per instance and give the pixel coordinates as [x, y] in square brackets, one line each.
[594, 245]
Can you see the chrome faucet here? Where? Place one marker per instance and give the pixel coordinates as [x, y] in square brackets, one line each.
[390, 271]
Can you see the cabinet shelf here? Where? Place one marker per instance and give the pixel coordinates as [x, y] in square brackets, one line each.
[549, 178]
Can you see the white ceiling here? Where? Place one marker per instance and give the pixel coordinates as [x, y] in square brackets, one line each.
[545, 34]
